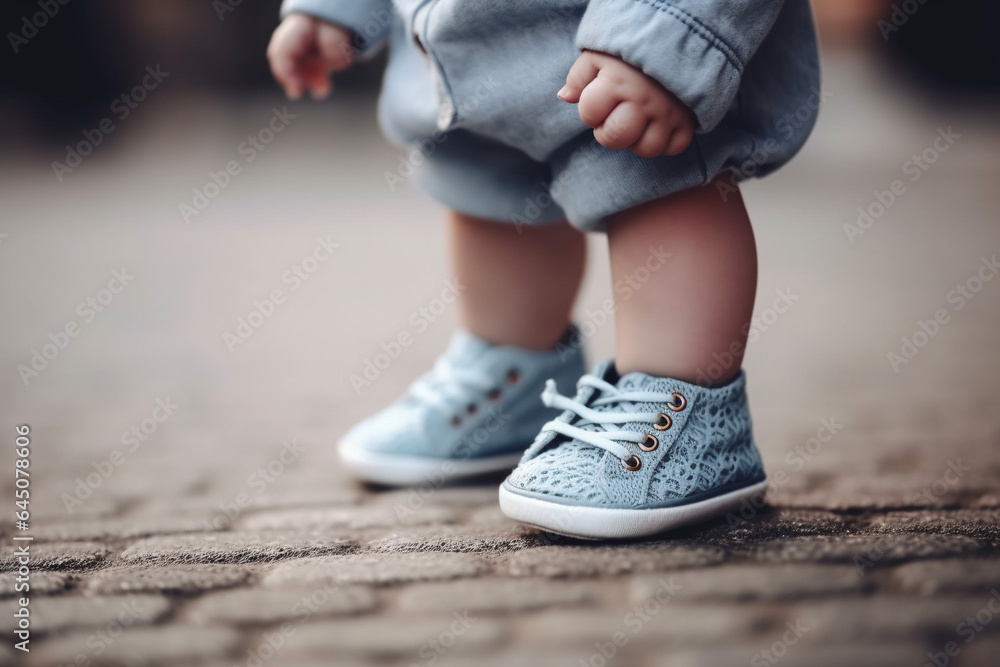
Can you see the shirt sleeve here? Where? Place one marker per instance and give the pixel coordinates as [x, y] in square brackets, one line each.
[697, 49]
[369, 20]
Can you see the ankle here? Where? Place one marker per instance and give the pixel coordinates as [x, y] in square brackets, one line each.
[529, 338]
[711, 377]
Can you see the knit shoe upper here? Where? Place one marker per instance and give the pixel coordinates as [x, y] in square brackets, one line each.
[480, 400]
[640, 441]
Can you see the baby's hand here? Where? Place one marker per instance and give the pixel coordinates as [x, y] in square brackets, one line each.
[626, 108]
[304, 50]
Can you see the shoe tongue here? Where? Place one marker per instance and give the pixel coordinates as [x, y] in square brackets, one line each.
[635, 380]
[465, 349]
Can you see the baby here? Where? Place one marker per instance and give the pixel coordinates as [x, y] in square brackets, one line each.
[550, 118]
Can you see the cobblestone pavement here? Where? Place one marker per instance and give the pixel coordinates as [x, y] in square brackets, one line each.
[223, 533]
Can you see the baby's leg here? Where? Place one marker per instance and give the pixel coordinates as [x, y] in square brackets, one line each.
[519, 282]
[698, 302]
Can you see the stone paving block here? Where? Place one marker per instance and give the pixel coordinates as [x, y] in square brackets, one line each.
[747, 581]
[803, 652]
[418, 640]
[754, 525]
[459, 496]
[931, 577]
[40, 582]
[975, 523]
[56, 556]
[494, 595]
[262, 606]
[347, 518]
[508, 656]
[980, 652]
[234, 547]
[865, 551]
[308, 495]
[473, 539]
[136, 647]
[120, 528]
[58, 613]
[672, 623]
[588, 561]
[492, 516]
[376, 569]
[166, 579]
[886, 617]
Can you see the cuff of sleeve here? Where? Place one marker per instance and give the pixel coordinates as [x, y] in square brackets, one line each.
[369, 20]
[671, 46]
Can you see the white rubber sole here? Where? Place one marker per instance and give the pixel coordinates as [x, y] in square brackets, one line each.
[604, 523]
[398, 470]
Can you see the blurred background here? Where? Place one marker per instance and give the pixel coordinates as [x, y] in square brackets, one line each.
[132, 266]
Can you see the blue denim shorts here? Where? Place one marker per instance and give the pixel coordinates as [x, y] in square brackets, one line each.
[477, 81]
[582, 181]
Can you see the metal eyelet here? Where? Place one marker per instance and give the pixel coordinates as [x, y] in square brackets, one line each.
[663, 422]
[679, 402]
[633, 462]
[513, 376]
[456, 421]
[649, 444]
[494, 395]
[472, 408]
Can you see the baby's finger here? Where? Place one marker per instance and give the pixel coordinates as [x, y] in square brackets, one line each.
[336, 52]
[583, 71]
[679, 140]
[317, 80]
[623, 126]
[320, 87]
[597, 100]
[653, 142]
[286, 68]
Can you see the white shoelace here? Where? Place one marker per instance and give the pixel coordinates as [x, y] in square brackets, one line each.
[452, 389]
[605, 439]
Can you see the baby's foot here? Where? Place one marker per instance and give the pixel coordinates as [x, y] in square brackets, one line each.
[635, 456]
[474, 413]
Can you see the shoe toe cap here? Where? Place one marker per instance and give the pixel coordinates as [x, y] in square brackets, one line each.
[395, 430]
[571, 473]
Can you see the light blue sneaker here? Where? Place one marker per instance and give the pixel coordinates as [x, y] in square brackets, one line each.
[636, 455]
[474, 413]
